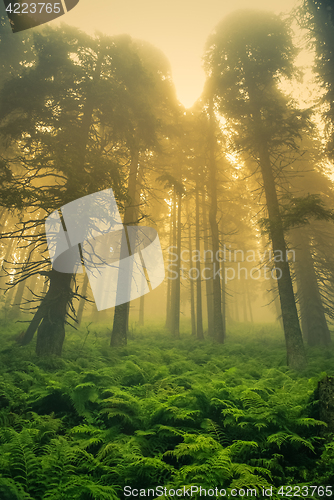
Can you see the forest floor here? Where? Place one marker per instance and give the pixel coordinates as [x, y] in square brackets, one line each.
[162, 418]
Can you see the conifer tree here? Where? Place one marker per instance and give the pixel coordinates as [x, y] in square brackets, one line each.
[245, 58]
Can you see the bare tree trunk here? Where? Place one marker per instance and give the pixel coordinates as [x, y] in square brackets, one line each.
[175, 330]
[200, 334]
[192, 288]
[293, 337]
[18, 297]
[326, 400]
[244, 303]
[249, 303]
[51, 332]
[169, 276]
[218, 325]
[121, 316]
[82, 299]
[141, 310]
[32, 286]
[313, 320]
[236, 301]
[207, 266]
[223, 284]
[27, 256]
[3, 277]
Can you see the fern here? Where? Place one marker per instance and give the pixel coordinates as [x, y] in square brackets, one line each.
[10, 490]
[159, 411]
[20, 461]
[215, 431]
[78, 487]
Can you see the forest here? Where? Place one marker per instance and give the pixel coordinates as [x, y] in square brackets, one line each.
[218, 382]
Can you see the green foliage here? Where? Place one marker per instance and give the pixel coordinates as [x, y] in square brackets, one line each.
[232, 417]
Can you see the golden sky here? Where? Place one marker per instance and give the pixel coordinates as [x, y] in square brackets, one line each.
[178, 27]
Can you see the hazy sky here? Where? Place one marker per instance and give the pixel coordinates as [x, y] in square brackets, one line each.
[178, 27]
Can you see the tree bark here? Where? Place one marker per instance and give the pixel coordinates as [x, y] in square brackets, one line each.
[249, 303]
[192, 287]
[207, 265]
[296, 357]
[199, 325]
[313, 320]
[16, 309]
[326, 402]
[175, 330]
[3, 277]
[51, 332]
[218, 324]
[141, 310]
[28, 253]
[82, 300]
[169, 276]
[223, 284]
[121, 315]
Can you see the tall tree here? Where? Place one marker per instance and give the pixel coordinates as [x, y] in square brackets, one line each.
[218, 320]
[310, 180]
[154, 107]
[192, 288]
[246, 57]
[312, 313]
[317, 16]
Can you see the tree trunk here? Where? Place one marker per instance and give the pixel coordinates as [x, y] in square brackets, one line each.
[207, 266]
[249, 303]
[173, 285]
[326, 402]
[18, 298]
[223, 284]
[313, 320]
[175, 330]
[200, 334]
[121, 315]
[3, 277]
[169, 275]
[218, 325]
[141, 310]
[236, 301]
[192, 288]
[82, 300]
[32, 286]
[296, 357]
[28, 253]
[51, 332]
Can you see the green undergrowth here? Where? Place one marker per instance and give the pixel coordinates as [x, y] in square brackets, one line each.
[160, 412]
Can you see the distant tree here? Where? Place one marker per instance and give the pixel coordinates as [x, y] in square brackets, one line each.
[246, 57]
[203, 157]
